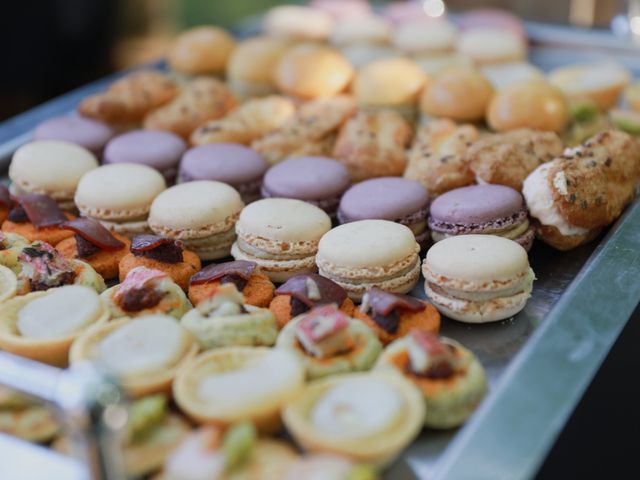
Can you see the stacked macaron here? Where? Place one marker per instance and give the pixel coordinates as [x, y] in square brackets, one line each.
[370, 253]
[388, 198]
[202, 214]
[281, 235]
[481, 209]
[86, 132]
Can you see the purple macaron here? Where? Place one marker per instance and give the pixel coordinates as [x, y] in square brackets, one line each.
[230, 163]
[317, 180]
[388, 198]
[482, 209]
[154, 148]
[86, 132]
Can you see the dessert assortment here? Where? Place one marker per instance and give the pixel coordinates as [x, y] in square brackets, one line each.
[237, 239]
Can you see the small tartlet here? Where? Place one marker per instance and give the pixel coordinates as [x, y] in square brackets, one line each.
[52, 348]
[374, 439]
[138, 339]
[232, 384]
[8, 284]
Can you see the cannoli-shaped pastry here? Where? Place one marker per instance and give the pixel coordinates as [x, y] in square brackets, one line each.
[436, 157]
[372, 144]
[94, 244]
[145, 291]
[311, 131]
[449, 376]
[224, 320]
[161, 253]
[574, 196]
[305, 291]
[329, 342]
[254, 285]
[508, 158]
[130, 98]
[393, 315]
[201, 100]
[37, 216]
[250, 121]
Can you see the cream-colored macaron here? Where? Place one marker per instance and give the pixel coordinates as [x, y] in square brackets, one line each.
[297, 22]
[370, 253]
[423, 38]
[281, 235]
[394, 83]
[501, 75]
[432, 65]
[365, 29]
[458, 93]
[120, 196]
[311, 71]
[478, 278]
[202, 214]
[201, 50]
[252, 64]
[600, 82]
[50, 167]
[531, 104]
[491, 45]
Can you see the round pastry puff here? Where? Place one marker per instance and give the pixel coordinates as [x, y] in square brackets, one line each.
[8, 284]
[138, 344]
[361, 357]
[379, 442]
[232, 384]
[449, 401]
[52, 345]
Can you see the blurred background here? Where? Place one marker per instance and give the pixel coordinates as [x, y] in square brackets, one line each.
[49, 47]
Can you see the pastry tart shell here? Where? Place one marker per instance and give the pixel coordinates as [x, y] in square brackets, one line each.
[8, 284]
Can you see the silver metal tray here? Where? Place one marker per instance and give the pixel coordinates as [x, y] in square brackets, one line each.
[539, 363]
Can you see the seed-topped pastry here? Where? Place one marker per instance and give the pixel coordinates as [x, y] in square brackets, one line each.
[392, 315]
[231, 384]
[367, 417]
[41, 267]
[94, 244]
[450, 377]
[224, 320]
[303, 292]
[161, 253]
[237, 453]
[42, 325]
[144, 353]
[254, 285]
[329, 342]
[37, 217]
[144, 292]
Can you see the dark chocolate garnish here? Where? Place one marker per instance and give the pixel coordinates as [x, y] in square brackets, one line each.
[238, 272]
[389, 323]
[18, 215]
[297, 307]
[298, 288]
[137, 299]
[84, 247]
[383, 303]
[94, 233]
[155, 247]
[42, 210]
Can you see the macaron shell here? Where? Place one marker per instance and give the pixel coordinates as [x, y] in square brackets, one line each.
[190, 207]
[307, 178]
[158, 149]
[52, 167]
[387, 198]
[366, 244]
[283, 220]
[230, 163]
[119, 191]
[85, 132]
[477, 258]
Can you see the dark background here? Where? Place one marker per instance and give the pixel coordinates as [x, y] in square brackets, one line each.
[48, 47]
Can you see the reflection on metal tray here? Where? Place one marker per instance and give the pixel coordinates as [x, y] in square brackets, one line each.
[538, 363]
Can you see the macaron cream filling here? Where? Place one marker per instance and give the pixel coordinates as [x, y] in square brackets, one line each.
[537, 191]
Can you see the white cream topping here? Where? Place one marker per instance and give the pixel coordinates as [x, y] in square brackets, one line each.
[537, 193]
[146, 344]
[195, 460]
[357, 408]
[62, 312]
[253, 384]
